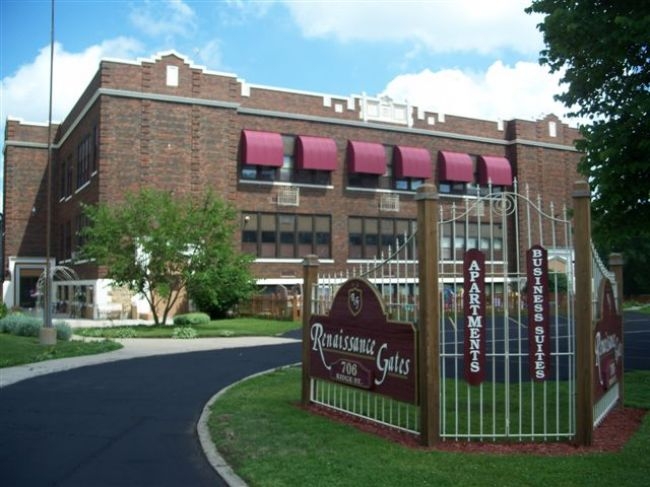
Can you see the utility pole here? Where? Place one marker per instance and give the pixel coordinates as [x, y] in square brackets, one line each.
[48, 332]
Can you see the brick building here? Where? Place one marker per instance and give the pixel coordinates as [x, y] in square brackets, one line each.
[310, 173]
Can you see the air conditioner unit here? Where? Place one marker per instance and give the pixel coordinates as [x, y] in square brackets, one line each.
[289, 196]
[480, 208]
[389, 202]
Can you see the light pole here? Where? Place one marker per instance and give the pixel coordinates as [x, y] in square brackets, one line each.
[48, 332]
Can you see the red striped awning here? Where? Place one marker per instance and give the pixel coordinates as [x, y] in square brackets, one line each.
[317, 153]
[262, 148]
[455, 166]
[412, 162]
[366, 158]
[494, 169]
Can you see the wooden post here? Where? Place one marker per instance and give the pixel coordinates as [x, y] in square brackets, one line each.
[615, 265]
[429, 314]
[310, 278]
[583, 314]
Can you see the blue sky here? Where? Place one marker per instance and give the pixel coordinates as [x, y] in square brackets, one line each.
[474, 58]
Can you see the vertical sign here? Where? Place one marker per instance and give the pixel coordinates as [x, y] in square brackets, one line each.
[608, 345]
[539, 338]
[474, 310]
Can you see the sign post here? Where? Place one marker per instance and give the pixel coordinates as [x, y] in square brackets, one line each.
[429, 314]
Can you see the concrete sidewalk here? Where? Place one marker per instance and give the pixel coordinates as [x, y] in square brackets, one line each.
[133, 348]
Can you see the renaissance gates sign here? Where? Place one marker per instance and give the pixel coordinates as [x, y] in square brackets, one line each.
[356, 345]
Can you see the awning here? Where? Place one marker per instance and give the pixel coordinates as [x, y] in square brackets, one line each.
[496, 170]
[262, 148]
[366, 158]
[412, 162]
[317, 153]
[455, 166]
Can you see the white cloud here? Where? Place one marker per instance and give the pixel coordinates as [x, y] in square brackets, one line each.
[442, 25]
[209, 54]
[524, 90]
[166, 19]
[25, 94]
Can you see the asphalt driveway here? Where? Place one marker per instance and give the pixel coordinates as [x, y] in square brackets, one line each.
[126, 423]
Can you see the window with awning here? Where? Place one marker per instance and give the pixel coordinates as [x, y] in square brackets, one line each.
[262, 148]
[455, 166]
[412, 162]
[366, 158]
[495, 170]
[317, 153]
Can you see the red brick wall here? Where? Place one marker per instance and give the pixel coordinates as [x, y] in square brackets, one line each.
[184, 147]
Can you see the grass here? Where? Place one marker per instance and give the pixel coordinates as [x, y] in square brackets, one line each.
[18, 350]
[636, 306]
[269, 441]
[219, 328]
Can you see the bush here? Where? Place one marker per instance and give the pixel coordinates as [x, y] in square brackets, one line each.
[63, 331]
[125, 332]
[190, 319]
[3, 310]
[20, 324]
[28, 328]
[184, 332]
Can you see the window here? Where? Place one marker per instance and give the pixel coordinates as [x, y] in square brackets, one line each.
[65, 242]
[95, 150]
[464, 174]
[411, 166]
[82, 222]
[287, 172]
[286, 236]
[394, 176]
[63, 178]
[68, 177]
[369, 237]
[460, 237]
[84, 155]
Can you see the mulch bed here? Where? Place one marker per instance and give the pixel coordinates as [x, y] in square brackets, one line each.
[610, 436]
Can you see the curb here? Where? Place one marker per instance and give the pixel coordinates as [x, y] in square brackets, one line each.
[213, 456]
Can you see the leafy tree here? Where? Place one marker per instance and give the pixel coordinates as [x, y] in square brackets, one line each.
[158, 246]
[602, 50]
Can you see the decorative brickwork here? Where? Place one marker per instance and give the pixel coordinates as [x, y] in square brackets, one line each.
[186, 138]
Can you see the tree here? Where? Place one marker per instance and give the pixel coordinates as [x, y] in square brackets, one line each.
[602, 49]
[158, 246]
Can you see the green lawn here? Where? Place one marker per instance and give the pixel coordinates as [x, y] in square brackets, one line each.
[18, 350]
[218, 328]
[269, 441]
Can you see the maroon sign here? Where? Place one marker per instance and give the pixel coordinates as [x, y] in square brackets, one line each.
[356, 345]
[474, 309]
[539, 337]
[607, 344]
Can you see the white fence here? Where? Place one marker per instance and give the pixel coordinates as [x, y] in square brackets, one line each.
[528, 387]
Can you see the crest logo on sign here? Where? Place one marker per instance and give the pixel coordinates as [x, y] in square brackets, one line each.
[355, 300]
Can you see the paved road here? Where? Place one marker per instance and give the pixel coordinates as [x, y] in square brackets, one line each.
[126, 423]
[637, 341]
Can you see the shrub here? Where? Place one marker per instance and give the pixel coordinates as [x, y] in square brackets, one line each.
[124, 332]
[63, 331]
[28, 327]
[184, 332]
[19, 324]
[190, 319]
[3, 310]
